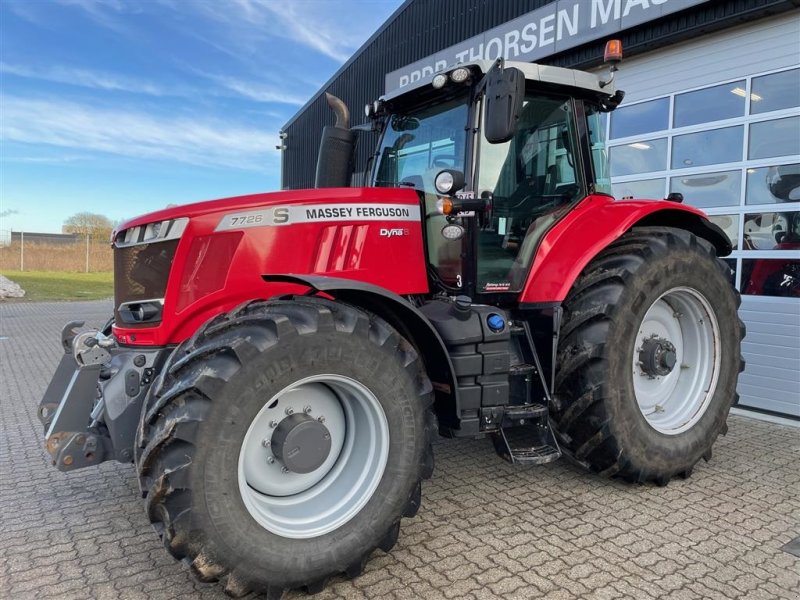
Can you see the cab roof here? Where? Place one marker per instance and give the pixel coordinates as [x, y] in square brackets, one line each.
[572, 78]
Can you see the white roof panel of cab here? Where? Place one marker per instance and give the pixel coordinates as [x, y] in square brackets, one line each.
[532, 71]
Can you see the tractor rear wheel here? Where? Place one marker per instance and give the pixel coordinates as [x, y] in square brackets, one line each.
[283, 443]
[648, 356]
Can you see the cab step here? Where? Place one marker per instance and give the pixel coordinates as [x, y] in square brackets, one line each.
[530, 444]
[519, 412]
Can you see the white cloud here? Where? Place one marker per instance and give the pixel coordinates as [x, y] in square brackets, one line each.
[319, 25]
[90, 79]
[230, 86]
[308, 28]
[260, 92]
[209, 142]
[103, 12]
[45, 160]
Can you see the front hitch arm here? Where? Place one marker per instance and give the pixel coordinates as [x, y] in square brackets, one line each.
[66, 407]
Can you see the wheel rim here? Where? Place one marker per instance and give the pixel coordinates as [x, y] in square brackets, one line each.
[679, 329]
[305, 505]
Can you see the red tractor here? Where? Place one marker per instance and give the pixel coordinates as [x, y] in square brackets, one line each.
[278, 365]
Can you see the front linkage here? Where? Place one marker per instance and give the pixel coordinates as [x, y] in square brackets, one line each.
[91, 408]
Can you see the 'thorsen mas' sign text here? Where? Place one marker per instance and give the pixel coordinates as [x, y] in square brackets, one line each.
[553, 28]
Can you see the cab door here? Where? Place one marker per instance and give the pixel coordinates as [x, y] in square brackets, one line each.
[530, 181]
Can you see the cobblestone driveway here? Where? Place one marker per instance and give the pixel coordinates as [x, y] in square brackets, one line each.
[486, 530]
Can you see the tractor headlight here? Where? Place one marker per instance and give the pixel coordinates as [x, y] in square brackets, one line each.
[460, 75]
[158, 231]
[444, 182]
[439, 81]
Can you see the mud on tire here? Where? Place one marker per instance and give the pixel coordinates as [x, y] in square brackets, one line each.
[200, 408]
[597, 417]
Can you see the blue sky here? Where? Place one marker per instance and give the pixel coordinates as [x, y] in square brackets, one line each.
[121, 107]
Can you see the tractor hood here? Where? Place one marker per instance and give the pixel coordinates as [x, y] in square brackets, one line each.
[273, 199]
[176, 268]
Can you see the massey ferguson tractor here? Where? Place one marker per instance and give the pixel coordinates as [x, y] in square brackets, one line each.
[278, 365]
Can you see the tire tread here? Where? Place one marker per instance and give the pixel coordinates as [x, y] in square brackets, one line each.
[184, 392]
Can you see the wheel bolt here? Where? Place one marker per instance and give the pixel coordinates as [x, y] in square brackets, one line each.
[265, 442]
[321, 419]
[273, 423]
[307, 409]
[284, 470]
[289, 410]
[270, 460]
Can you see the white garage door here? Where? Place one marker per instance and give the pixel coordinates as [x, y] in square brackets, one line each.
[718, 119]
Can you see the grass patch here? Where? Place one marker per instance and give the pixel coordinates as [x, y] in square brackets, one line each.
[49, 285]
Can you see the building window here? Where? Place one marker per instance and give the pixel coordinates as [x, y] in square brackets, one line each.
[780, 137]
[639, 157]
[648, 189]
[730, 225]
[775, 92]
[772, 185]
[771, 277]
[706, 190]
[772, 231]
[707, 147]
[710, 104]
[638, 119]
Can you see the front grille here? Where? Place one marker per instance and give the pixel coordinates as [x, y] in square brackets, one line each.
[141, 272]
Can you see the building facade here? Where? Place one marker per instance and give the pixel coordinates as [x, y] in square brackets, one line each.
[712, 110]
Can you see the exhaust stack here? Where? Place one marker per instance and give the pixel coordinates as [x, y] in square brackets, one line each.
[335, 159]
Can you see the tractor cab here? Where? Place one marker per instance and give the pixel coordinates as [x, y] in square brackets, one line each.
[499, 152]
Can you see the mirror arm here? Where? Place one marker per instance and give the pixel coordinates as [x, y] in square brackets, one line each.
[481, 86]
[469, 204]
[611, 71]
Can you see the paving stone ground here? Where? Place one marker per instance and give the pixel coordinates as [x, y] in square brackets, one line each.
[486, 529]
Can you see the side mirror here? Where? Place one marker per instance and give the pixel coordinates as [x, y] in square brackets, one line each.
[505, 91]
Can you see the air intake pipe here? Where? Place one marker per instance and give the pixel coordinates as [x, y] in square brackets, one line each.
[335, 160]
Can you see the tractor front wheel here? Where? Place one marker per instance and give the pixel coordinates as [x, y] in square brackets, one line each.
[283, 444]
[648, 356]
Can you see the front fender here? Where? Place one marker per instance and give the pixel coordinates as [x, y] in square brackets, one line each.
[398, 312]
[594, 224]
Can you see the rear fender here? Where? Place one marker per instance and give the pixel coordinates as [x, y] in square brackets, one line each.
[594, 224]
[403, 316]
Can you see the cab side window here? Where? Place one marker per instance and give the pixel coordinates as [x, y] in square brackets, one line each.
[529, 179]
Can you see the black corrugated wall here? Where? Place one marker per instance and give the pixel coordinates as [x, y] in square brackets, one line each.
[422, 27]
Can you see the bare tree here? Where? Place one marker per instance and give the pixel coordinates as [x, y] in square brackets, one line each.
[98, 227]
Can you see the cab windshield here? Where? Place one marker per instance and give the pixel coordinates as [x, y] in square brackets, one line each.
[418, 144]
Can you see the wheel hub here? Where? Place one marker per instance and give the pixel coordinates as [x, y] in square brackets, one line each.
[657, 357]
[313, 456]
[301, 443]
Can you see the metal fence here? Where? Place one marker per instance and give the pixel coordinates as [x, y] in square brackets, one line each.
[55, 252]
